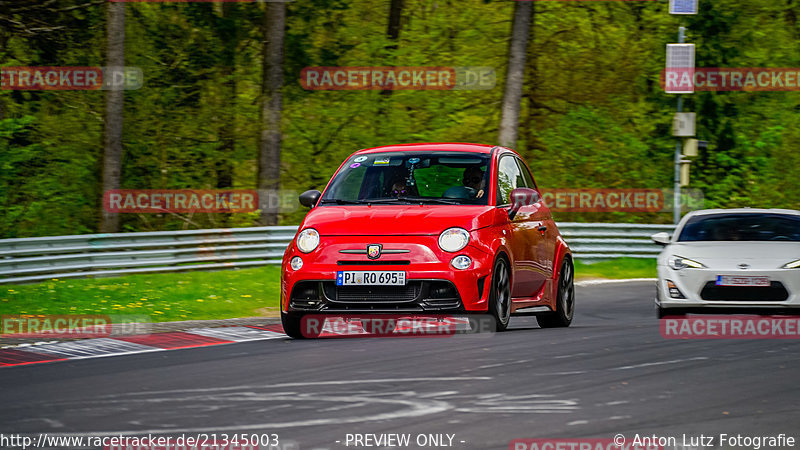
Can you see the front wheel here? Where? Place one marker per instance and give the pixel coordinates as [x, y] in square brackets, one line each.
[293, 324]
[500, 295]
[565, 301]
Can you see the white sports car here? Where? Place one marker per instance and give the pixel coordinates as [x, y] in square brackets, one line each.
[730, 260]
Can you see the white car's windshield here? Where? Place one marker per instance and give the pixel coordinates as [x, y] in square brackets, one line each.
[742, 227]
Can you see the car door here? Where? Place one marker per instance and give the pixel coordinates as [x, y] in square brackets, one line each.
[524, 238]
[543, 222]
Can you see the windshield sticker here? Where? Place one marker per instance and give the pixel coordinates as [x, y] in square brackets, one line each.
[382, 161]
[360, 159]
[354, 165]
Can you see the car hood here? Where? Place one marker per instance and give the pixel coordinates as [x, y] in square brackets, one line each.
[770, 254]
[386, 220]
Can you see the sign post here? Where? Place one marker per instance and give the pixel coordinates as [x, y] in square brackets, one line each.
[682, 57]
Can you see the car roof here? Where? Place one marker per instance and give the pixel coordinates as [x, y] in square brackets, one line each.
[430, 147]
[705, 212]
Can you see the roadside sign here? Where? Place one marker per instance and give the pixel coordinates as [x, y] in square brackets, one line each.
[683, 6]
[685, 165]
[679, 74]
[690, 147]
[683, 125]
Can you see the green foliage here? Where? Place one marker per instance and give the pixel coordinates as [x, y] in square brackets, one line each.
[593, 113]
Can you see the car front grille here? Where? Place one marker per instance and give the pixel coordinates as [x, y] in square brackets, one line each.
[377, 294]
[381, 262]
[776, 292]
[416, 296]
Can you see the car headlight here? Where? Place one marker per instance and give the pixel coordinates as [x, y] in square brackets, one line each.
[792, 265]
[453, 239]
[308, 240]
[679, 262]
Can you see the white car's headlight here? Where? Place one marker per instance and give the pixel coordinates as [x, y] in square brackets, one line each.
[308, 240]
[792, 265]
[679, 262]
[453, 239]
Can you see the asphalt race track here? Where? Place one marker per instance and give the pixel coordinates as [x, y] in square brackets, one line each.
[610, 373]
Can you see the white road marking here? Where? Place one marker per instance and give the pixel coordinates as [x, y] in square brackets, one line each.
[92, 348]
[660, 363]
[237, 334]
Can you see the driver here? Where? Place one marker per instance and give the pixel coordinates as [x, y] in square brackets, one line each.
[473, 178]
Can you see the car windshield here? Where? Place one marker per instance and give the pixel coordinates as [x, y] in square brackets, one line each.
[456, 178]
[741, 227]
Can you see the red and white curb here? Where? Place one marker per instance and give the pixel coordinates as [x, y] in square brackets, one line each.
[129, 345]
[197, 337]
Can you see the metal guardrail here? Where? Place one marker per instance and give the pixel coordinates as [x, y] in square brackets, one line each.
[612, 240]
[37, 259]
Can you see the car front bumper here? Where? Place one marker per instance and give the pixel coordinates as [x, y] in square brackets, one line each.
[433, 284]
[701, 294]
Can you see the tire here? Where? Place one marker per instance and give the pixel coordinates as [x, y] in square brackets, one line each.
[292, 326]
[500, 295]
[565, 300]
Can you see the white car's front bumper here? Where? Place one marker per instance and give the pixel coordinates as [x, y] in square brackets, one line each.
[698, 287]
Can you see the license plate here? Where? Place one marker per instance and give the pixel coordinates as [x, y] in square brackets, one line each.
[370, 278]
[735, 280]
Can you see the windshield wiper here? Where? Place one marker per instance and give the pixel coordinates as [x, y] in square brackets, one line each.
[339, 201]
[441, 201]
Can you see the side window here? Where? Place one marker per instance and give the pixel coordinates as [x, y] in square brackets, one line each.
[526, 175]
[509, 177]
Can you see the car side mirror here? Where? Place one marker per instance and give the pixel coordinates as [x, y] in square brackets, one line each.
[522, 197]
[310, 198]
[661, 238]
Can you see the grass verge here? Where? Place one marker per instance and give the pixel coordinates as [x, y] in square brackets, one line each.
[164, 297]
[615, 269]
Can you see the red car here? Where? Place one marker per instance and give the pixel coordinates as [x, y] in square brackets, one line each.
[428, 229]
